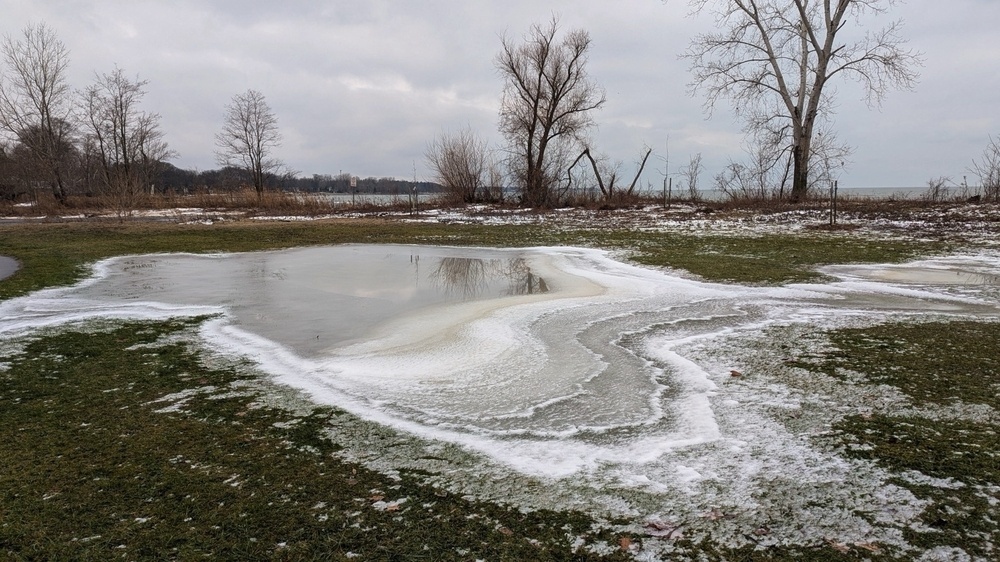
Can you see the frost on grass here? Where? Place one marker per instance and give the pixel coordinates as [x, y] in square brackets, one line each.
[947, 512]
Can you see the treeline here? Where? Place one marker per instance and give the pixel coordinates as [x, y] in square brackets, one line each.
[21, 180]
[174, 180]
[98, 142]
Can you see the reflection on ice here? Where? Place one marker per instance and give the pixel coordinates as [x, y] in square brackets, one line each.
[552, 361]
[471, 277]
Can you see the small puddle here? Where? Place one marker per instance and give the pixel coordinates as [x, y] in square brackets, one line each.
[314, 299]
[917, 275]
[8, 266]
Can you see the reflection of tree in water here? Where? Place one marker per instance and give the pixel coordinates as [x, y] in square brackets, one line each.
[522, 281]
[473, 276]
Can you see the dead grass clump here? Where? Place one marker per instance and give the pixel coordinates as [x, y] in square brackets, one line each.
[44, 205]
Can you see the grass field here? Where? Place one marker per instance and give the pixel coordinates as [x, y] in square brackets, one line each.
[126, 441]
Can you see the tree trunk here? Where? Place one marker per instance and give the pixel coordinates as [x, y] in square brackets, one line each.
[58, 189]
[800, 172]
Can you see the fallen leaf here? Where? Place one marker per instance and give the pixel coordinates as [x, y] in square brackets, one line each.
[762, 531]
[625, 543]
[392, 507]
[506, 531]
[839, 546]
[870, 547]
[376, 498]
[714, 514]
[664, 529]
[735, 374]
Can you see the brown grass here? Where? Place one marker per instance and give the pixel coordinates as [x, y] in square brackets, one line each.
[245, 200]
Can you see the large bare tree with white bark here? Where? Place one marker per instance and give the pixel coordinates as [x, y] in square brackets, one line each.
[775, 60]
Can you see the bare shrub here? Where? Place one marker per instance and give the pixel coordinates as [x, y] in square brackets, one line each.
[464, 165]
[987, 168]
[937, 189]
[765, 175]
[691, 175]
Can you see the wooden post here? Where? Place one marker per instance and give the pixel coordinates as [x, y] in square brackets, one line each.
[833, 203]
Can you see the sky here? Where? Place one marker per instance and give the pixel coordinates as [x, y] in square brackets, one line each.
[363, 87]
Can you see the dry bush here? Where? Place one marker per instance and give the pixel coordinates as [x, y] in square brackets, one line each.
[45, 204]
[754, 202]
[266, 202]
[464, 164]
[987, 168]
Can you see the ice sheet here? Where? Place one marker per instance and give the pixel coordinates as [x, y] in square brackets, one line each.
[554, 362]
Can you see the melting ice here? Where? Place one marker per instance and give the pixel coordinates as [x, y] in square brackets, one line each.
[553, 361]
[608, 382]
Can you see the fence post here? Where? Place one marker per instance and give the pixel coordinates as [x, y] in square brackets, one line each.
[833, 203]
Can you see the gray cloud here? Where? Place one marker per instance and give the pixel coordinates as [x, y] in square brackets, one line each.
[363, 86]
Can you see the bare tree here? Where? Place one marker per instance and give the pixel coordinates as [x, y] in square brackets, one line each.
[36, 103]
[774, 59]
[124, 144]
[607, 176]
[937, 189]
[828, 158]
[8, 173]
[546, 105]
[464, 166]
[31, 170]
[691, 174]
[764, 175]
[248, 138]
[987, 168]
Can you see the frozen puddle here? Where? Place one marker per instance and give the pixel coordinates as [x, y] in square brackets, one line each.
[557, 363]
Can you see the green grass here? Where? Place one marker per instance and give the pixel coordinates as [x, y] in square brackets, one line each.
[930, 362]
[90, 470]
[771, 258]
[942, 367]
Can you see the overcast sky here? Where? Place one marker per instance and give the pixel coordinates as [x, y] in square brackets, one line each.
[362, 86]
